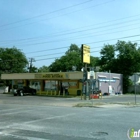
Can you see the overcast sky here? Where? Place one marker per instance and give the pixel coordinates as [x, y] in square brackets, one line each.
[44, 29]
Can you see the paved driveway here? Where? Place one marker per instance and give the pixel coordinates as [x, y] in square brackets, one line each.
[45, 118]
[57, 101]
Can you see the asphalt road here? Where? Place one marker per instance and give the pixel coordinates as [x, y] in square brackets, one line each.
[45, 118]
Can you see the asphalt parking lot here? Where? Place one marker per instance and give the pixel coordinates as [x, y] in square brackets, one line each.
[48, 118]
[58, 101]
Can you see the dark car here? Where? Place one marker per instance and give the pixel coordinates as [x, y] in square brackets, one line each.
[24, 91]
[106, 94]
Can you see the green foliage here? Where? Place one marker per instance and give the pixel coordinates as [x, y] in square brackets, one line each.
[12, 60]
[123, 57]
[74, 48]
[130, 82]
[71, 58]
[107, 57]
[43, 69]
[33, 69]
[128, 57]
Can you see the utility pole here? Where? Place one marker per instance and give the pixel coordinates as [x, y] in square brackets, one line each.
[31, 60]
[135, 87]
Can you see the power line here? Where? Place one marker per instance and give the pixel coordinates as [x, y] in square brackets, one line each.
[86, 34]
[77, 28]
[114, 39]
[93, 28]
[48, 54]
[61, 53]
[45, 13]
[87, 43]
[48, 49]
[48, 58]
[73, 38]
[65, 52]
[63, 14]
[57, 57]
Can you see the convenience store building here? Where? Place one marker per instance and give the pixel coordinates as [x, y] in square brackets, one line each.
[51, 83]
[65, 83]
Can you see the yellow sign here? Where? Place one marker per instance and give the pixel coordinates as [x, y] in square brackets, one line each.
[50, 76]
[85, 54]
[53, 76]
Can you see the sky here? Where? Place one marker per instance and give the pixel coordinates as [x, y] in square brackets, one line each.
[45, 29]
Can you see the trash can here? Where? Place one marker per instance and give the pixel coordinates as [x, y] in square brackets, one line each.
[78, 92]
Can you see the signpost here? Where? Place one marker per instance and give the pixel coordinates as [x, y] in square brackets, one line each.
[85, 54]
[86, 60]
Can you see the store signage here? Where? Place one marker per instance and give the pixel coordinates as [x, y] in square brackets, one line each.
[53, 76]
[85, 54]
[50, 76]
[106, 80]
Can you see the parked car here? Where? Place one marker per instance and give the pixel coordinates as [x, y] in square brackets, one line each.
[24, 91]
[106, 94]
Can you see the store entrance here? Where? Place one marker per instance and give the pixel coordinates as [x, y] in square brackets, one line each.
[61, 88]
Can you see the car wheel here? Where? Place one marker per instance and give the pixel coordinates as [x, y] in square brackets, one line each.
[21, 93]
[33, 93]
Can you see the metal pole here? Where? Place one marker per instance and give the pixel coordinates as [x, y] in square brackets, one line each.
[135, 88]
[109, 77]
[86, 81]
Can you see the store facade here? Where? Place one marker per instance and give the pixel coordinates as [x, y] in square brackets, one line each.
[65, 83]
[51, 83]
[111, 83]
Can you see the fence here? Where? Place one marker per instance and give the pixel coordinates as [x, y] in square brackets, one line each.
[131, 89]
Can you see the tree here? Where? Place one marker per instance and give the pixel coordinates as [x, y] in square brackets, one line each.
[33, 69]
[71, 58]
[43, 69]
[12, 60]
[107, 57]
[123, 57]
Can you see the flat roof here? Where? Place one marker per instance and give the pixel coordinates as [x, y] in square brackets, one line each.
[47, 75]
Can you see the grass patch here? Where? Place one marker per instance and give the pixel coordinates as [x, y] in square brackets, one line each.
[88, 104]
[58, 96]
[83, 105]
[127, 103]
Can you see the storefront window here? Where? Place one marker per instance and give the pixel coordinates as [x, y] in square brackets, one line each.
[65, 84]
[73, 84]
[70, 84]
[50, 85]
[35, 85]
[20, 83]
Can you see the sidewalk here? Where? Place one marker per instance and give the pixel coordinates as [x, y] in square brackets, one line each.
[106, 101]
